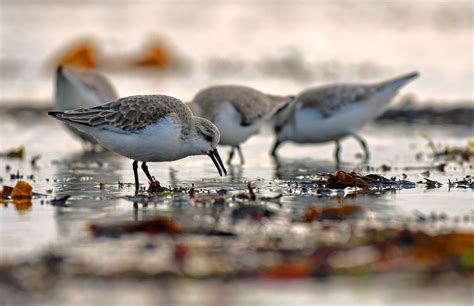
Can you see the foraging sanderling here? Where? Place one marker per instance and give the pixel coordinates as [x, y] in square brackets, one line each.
[79, 89]
[238, 111]
[329, 113]
[147, 128]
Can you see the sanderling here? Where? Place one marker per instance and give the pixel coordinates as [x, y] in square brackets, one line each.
[78, 89]
[148, 128]
[238, 111]
[329, 113]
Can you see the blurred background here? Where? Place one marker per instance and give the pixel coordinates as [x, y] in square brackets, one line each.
[179, 47]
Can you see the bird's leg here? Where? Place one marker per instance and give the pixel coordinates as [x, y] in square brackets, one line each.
[231, 155]
[148, 175]
[135, 173]
[241, 155]
[337, 153]
[275, 147]
[364, 146]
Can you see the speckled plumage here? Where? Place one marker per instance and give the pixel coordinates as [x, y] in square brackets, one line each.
[147, 128]
[238, 111]
[332, 112]
[330, 99]
[250, 103]
[134, 113]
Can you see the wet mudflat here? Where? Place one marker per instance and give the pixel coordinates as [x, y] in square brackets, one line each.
[396, 231]
[268, 229]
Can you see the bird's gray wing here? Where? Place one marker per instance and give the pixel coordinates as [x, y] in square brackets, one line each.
[327, 100]
[132, 113]
[250, 103]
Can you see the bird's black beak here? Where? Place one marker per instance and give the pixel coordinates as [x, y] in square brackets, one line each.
[216, 159]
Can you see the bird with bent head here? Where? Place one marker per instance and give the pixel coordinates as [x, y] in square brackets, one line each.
[147, 128]
[238, 111]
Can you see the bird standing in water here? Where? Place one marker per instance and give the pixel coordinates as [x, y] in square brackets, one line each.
[147, 128]
[332, 112]
[238, 111]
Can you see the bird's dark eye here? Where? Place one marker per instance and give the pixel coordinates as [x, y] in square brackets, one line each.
[207, 135]
[209, 138]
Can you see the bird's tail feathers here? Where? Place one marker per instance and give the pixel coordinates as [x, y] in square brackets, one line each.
[55, 114]
[71, 117]
[282, 112]
[398, 82]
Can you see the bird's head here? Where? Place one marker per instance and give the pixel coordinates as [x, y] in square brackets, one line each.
[204, 138]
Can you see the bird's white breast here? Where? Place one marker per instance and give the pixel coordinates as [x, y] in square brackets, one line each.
[232, 132]
[309, 126]
[158, 142]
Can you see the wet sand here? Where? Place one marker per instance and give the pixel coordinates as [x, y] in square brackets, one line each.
[298, 243]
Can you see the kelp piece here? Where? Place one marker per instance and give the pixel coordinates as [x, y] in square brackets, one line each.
[157, 225]
[341, 180]
[22, 190]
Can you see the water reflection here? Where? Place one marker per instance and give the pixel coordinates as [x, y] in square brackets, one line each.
[235, 173]
[76, 174]
[91, 180]
[289, 169]
[22, 206]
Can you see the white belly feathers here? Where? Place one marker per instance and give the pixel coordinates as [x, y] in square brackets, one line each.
[158, 139]
[232, 132]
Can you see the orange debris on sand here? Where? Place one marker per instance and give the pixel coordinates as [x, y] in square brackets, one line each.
[22, 190]
[156, 57]
[315, 213]
[81, 56]
[441, 246]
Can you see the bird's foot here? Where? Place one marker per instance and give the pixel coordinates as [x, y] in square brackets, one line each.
[154, 186]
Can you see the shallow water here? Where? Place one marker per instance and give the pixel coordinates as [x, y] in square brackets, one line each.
[65, 169]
